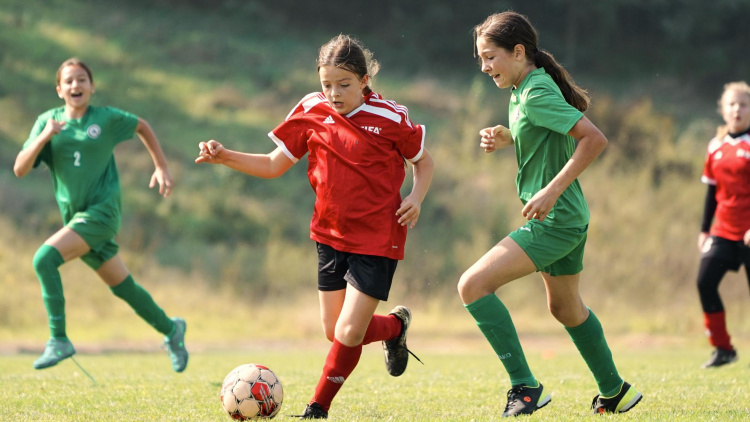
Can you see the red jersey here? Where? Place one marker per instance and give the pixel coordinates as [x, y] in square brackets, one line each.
[728, 168]
[356, 168]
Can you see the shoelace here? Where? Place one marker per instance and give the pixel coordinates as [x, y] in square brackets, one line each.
[511, 397]
[415, 356]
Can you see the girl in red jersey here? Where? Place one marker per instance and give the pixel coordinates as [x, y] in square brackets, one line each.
[357, 144]
[727, 245]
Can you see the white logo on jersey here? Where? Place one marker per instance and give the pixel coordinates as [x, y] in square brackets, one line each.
[329, 120]
[337, 380]
[373, 129]
[81, 220]
[718, 155]
[94, 131]
[526, 228]
[743, 154]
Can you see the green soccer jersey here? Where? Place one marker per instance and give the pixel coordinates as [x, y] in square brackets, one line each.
[540, 119]
[82, 163]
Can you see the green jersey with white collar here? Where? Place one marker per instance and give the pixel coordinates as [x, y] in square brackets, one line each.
[540, 119]
[81, 160]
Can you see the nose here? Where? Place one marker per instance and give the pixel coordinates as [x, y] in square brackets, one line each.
[485, 67]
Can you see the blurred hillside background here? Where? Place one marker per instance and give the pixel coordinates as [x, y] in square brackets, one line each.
[232, 254]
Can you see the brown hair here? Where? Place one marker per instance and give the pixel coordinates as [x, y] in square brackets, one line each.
[348, 53]
[508, 29]
[740, 86]
[74, 61]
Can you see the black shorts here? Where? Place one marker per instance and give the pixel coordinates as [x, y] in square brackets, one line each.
[370, 274]
[732, 252]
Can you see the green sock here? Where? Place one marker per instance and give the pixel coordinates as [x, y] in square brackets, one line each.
[589, 339]
[46, 262]
[143, 305]
[494, 321]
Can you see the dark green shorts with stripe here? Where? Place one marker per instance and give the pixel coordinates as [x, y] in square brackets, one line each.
[557, 251]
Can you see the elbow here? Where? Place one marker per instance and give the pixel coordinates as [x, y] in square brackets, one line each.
[19, 171]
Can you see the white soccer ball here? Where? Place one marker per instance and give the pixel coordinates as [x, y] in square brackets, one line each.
[251, 391]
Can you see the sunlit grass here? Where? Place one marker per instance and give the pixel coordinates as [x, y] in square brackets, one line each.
[451, 386]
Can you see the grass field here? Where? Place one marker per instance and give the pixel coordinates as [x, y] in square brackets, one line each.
[461, 384]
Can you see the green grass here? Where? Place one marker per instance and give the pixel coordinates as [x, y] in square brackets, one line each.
[453, 385]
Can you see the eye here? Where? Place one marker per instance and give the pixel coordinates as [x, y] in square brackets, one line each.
[344, 85]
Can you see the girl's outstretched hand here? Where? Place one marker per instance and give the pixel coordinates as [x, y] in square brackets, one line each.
[210, 152]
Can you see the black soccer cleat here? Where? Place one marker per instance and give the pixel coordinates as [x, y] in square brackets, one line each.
[625, 400]
[313, 411]
[396, 353]
[721, 357]
[525, 400]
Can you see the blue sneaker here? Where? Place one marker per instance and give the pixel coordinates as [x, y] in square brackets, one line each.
[176, 345]
[55, 351]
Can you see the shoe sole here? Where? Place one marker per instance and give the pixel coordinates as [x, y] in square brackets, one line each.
[631, 404]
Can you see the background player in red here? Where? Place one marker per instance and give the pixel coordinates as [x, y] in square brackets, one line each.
[727, 245]
[358, 144]
[77, 143]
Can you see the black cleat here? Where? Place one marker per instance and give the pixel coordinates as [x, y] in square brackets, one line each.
[396, 353]
[721, 357]
[313, 411]
[525, 400]
[625, 400]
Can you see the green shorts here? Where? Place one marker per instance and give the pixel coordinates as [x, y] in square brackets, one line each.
[97, 231]
[556, 251]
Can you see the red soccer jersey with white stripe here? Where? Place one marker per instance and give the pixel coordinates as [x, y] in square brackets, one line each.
[356, 168]
[728, 167]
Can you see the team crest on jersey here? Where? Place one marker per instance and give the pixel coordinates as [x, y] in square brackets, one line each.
[94, 131]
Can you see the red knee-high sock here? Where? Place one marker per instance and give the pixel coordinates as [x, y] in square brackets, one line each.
[340, 363]
[382, 327]
[716, 330]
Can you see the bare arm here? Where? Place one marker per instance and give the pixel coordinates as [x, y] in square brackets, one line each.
[25, 159]
[161, 173]
[411, 206]
[591, 143]
[267, 166]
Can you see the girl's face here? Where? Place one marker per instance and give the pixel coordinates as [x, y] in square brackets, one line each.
[75, 87]
[506, 68]
[735, 109]
[342, 88]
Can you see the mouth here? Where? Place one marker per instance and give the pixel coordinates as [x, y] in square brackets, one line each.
[337, 104]
[76, 94]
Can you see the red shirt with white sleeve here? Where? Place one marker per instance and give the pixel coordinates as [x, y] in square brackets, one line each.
[728, 168]
[356, 168]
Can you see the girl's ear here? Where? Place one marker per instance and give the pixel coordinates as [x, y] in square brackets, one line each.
[519, 52]
[59, 91]
[365, 80]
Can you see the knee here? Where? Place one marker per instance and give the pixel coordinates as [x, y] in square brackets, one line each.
[568, 314]
[470, 288]
[46, 259]
[349, 335]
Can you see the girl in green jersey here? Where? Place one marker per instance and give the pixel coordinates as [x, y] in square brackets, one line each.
[77, 142]
[546, 119]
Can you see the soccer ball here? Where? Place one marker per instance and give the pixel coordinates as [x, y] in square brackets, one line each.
[251, 391]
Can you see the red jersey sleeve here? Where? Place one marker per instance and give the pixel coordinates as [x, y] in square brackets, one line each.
[294, 132]
[409, 141]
